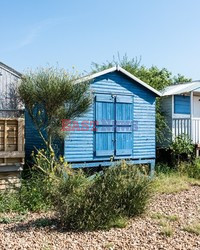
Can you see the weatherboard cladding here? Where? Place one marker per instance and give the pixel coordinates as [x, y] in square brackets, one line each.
[79, 146]
[8, 82]
[33, 140]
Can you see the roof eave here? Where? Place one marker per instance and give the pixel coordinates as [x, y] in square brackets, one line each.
[11, 70]
[125, 72]
[184, 90]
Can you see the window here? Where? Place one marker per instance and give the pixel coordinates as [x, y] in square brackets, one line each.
[181, 104]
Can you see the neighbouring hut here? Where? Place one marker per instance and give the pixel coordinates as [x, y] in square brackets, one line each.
[11, 129]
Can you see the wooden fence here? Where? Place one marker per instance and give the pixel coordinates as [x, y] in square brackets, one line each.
[11, 151]
[188, 126]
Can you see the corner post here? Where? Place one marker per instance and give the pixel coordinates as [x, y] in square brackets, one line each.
[173, 121]
[152, 168]
[191, 115]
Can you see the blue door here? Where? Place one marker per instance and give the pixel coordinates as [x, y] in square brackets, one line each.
[104, 125]
[114, 119]
[124, 125]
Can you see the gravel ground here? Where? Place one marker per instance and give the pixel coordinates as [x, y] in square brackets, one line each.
[178, 210]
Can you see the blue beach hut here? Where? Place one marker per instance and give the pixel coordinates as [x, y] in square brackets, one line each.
[120, 124]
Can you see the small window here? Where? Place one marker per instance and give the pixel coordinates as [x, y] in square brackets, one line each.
[181, 104]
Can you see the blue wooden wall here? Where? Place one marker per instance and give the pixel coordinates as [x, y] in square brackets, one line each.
[181, 104]
[33, 140]
[80, 146]
[83, 146]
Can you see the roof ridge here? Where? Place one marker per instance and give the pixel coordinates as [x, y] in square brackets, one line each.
[182, 83]
[123, 71]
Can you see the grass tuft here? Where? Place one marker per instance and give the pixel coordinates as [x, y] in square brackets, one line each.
[8, 220]
[159, 216]
[109, 245]
[167, 230]
[193, 228]
[171, 183]
[120, 222]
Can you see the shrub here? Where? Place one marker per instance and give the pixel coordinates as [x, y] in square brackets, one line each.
[68, 195]
[163, 168]
[10, 202]
[182, 148]
[192, 169]
[34, 193]
[82, 203]
[32, 196]
[35, 190]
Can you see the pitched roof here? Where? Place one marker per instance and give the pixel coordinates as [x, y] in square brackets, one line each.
[123, 71]
[181, 88]
[11, 70]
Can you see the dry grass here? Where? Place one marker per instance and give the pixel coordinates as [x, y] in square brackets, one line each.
[166, 230]
[173, 183]
[160, 216]
[193, 228]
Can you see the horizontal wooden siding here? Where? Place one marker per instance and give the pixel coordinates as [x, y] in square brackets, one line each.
[79, 146]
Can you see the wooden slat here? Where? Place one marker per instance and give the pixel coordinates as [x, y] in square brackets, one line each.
[14, 160]
[14, 154]
[9, 167]
[12, 147]
[185, 126]
[20, 135]
[11, 133]
[181, 126]
[5, 135]
[11, 144]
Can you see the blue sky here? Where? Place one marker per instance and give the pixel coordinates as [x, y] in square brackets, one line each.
[75, 33]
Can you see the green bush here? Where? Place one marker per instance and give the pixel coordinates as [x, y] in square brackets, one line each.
[192, 169]
[34, 193]
[182, 148]
[163, 168]
[121, 191]
[9, 202]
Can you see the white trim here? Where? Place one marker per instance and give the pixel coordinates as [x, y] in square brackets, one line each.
[118, 68]
[179, 116]
[172, 120]
[181, 88]
[4, 67]
[191, 103]
[191, 114]
[90, 77]
[172, 106]
[139, 81]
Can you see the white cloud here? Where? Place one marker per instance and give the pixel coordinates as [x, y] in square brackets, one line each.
[37, 30]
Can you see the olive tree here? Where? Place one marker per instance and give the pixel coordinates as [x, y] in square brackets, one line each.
[50, 95]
